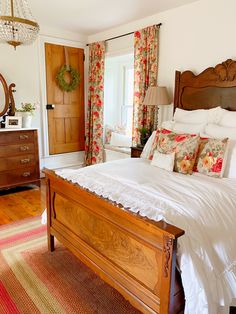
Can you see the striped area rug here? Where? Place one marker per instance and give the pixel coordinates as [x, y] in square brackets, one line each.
[32, 280]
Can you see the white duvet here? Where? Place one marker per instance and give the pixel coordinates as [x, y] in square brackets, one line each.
[204, 207]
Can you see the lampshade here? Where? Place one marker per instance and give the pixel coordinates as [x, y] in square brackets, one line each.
[17, 25]
[156, 95]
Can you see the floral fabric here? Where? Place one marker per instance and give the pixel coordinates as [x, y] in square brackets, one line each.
[109, 129]
[154, 145]
[146, 44]
[185, 147]
[94, 123]
[108, 132]
[211, 157]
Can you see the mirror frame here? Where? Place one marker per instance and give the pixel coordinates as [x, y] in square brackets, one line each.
[11, 105]
[6, 91]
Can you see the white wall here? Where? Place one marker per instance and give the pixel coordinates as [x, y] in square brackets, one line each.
[21, 66]
[25, 67]
[193, 36]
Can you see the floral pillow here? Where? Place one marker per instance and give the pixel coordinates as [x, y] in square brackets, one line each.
[109, 129]
[185, 147]
[211, 157]
[154, 145]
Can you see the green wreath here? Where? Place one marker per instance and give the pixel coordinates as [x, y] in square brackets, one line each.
[75, 78]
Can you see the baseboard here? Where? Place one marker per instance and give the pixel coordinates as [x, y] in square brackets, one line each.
[62, 160]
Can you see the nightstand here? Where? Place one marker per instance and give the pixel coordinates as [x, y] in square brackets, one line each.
[136, 151]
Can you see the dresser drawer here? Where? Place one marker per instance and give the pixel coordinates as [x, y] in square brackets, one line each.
[9, 178]
[18, 162]
[15, 137]
[15, 150]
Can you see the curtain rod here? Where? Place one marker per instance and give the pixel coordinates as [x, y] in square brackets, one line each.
[124, 34]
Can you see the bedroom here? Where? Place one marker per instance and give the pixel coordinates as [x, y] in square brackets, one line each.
[194, 35]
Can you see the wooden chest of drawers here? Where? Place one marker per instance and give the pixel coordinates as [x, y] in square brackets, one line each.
[19, 158]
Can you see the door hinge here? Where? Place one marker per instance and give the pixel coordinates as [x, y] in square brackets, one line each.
[84, 56]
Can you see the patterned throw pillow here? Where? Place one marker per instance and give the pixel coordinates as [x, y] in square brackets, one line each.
[154, 145]
[109, 129]
[185, 147]
[211, 157]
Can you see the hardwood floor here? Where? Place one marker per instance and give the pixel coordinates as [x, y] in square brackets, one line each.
[22, 202]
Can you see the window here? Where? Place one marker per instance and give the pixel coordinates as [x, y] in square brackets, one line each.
[118, 91]
[127, 107]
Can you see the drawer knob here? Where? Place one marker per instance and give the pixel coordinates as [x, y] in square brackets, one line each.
[26, 174]
[25, 161]
[24, 148]
[24, 137]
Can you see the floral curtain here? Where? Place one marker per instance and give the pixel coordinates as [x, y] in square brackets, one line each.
[94, 123]
[146, 44]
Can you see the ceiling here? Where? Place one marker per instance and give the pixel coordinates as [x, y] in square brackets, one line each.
[93, 16]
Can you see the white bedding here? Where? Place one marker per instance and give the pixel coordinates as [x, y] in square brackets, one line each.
[204, 207]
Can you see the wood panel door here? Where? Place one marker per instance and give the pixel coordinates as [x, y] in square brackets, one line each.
[66, 120]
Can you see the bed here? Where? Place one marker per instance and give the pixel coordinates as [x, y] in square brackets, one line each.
[135, 254]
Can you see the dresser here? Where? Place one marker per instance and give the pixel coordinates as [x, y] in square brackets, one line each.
[19, 157]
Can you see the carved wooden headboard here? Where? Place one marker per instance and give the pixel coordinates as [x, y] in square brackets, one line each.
[211, 88]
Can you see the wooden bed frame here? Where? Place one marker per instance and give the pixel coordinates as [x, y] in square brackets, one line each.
[135, 255]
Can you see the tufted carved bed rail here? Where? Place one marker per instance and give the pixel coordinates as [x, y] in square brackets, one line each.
[135, 255]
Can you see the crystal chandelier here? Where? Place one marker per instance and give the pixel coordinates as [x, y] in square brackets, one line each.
[17, 25]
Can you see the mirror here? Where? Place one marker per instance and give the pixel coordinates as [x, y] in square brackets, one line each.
[4, 96]
[12, 106]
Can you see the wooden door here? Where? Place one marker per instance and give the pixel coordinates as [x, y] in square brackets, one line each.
[66, 120]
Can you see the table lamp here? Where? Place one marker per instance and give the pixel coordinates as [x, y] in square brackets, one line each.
[156, 96]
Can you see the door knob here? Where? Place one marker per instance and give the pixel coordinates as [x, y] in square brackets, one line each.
[50, 106]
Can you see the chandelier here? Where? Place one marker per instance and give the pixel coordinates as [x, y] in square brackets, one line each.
[17, 25]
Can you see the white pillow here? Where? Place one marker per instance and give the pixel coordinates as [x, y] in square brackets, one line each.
[169, 124]
[148, 146]
[217, 131]
[191, 116]
[120, 140]
[199, 116]
[180, 127]
[228, 119]
[188, 128]
[230, 167]
[215, 115]
[163, 161]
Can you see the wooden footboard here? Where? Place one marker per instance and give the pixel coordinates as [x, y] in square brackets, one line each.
[135, 255]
